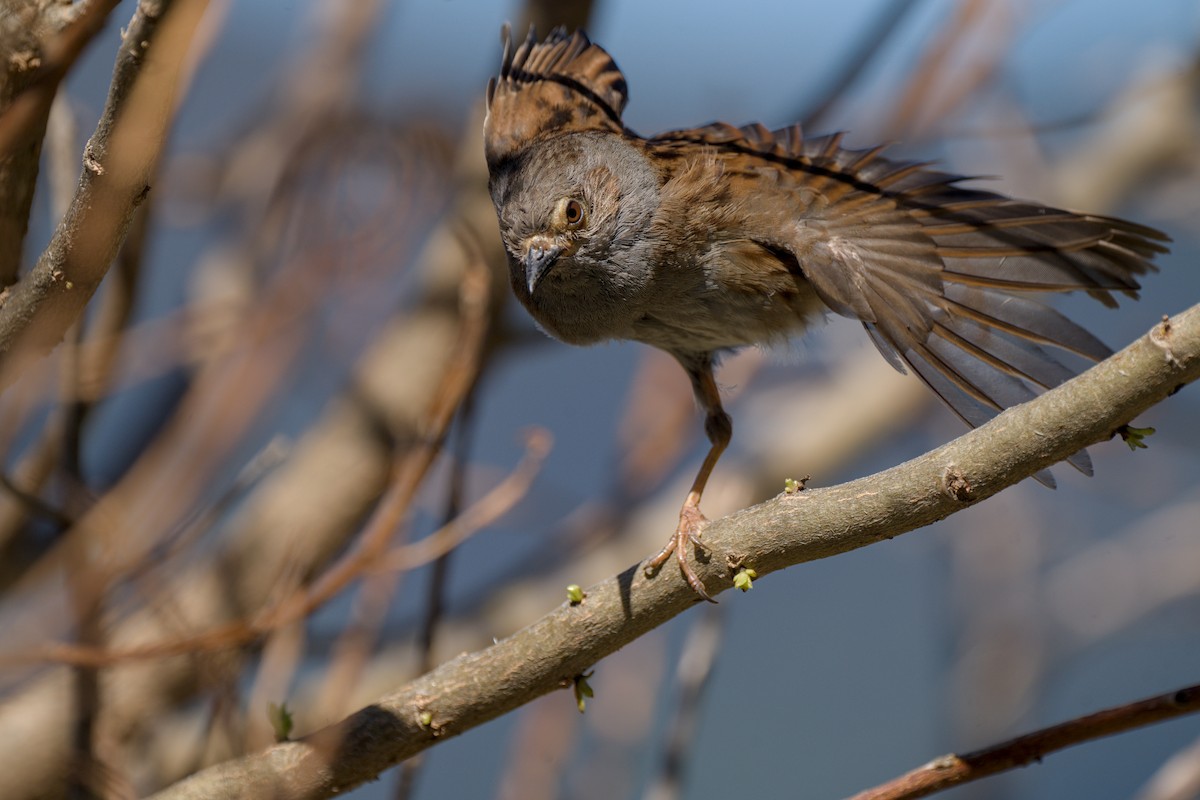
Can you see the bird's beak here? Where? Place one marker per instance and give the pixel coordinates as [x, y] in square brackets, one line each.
[539, 258]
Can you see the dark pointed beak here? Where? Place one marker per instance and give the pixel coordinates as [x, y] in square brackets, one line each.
[539, 258]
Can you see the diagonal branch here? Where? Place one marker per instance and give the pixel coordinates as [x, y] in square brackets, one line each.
[39, 42]
[789, 529]
[952, 770]
[24, 119]
[118, 164]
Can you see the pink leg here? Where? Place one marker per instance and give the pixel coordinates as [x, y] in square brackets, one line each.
[719, 428]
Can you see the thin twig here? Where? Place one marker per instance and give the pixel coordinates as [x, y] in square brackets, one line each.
[952, 770]
[483, 512]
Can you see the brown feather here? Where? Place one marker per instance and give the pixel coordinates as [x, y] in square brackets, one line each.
[754, 226]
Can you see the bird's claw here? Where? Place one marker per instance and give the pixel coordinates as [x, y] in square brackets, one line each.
[691, 523]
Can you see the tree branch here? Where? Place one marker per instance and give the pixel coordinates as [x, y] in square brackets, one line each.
[39, 42]
[118, 163]
[27, 105]
[789, 529]
[952, 770]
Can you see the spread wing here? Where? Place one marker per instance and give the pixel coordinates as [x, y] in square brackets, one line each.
[939, 274]
[562, 84]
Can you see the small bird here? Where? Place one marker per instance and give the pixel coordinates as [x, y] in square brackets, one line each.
[705, 240]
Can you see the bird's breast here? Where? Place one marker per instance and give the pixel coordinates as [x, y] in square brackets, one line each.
[730, 294]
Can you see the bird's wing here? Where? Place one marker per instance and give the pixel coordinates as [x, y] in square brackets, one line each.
[560, 85]
[936, 272]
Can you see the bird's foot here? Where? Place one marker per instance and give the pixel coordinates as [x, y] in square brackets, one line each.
[691, 523]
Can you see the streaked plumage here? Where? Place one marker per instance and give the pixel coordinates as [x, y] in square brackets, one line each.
[703, 240]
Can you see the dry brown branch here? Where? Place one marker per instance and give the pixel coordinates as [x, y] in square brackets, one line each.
[39, 42]
[195, 595]
[952, 770]
[118, 163]
[370, 553]
[788, 530]
[345, 459]
[206, 425]
[28, 103]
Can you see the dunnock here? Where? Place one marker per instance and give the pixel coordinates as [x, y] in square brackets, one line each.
[704, 240]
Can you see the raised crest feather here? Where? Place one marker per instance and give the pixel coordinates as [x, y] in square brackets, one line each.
[564, 84]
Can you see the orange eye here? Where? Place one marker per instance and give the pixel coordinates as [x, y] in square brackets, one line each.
[573, 213]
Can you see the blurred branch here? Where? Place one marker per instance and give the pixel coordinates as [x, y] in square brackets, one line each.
[693, 671]
[546, 14]
[493, 505]
[370, 552]
[868, 47]
[1177, 779]
[118, 163]
[318, 498]
[347, 456]
[966, 52]
[952, 770]
[1151, 130]
[439, 578]
[817, 523]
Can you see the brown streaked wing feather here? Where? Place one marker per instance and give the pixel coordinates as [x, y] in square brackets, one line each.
[714, 133]
[935, 270]
[562, 84]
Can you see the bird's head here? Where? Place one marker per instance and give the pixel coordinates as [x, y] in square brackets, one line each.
[573, 214]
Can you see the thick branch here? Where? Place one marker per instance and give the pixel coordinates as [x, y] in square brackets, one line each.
[787, 530]
[118, 163]
[951, 770]
[40, 68]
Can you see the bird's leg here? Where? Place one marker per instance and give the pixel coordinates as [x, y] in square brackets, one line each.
[719, 427]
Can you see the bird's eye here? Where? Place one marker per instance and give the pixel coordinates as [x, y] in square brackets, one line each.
[574, 213]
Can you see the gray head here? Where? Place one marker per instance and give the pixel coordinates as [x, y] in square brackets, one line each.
[573, 215]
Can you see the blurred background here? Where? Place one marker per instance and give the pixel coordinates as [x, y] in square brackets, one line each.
[313, 297]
